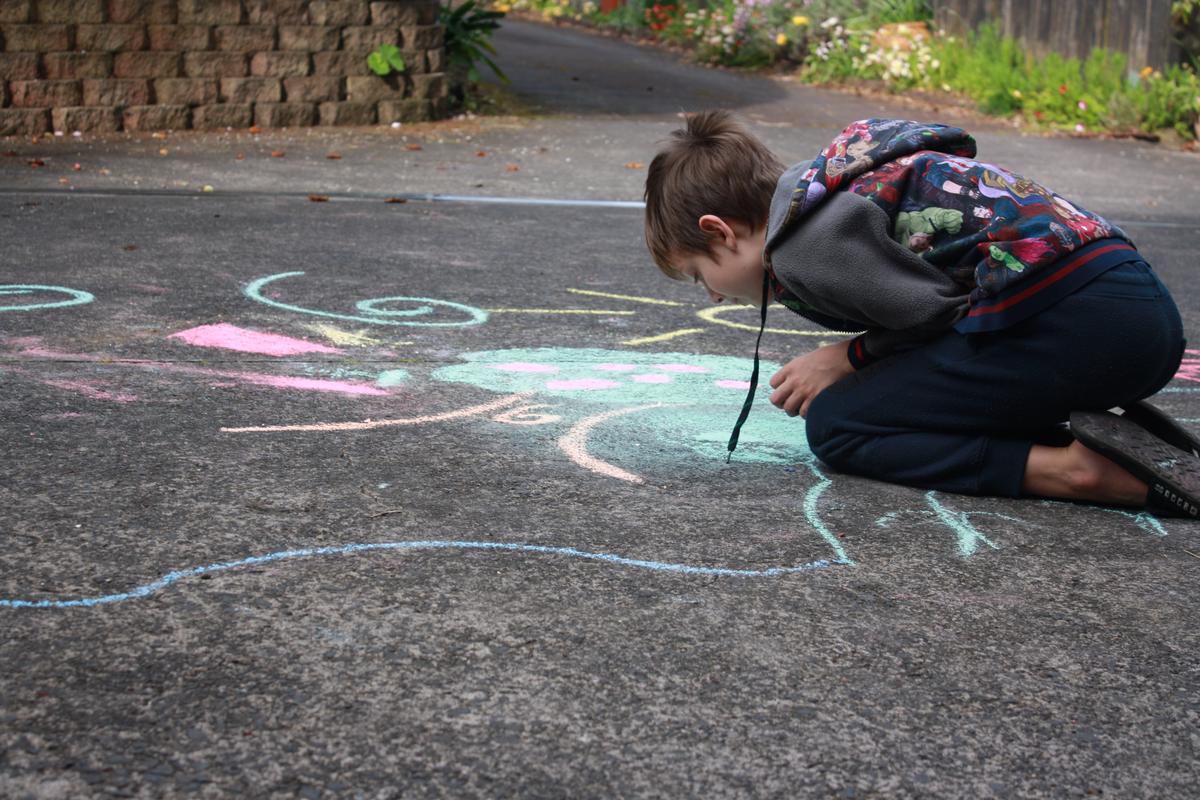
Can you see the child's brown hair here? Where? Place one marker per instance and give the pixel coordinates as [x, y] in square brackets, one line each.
[712, 166]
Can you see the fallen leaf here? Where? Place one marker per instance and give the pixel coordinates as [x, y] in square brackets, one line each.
[255, 129]
[334, 156]
[413, 146]
[158, 135]
[634, 165]
[278, 154]
[511, 168]
[131, 247]
[318, 198]
[240, 157]
[206, 188]
[162, 151]
[396, 200]
[105, 171]
[482, 154]
[77, 166]
[64, 181]
[36, 162]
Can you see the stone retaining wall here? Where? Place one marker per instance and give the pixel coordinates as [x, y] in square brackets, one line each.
[109, 65]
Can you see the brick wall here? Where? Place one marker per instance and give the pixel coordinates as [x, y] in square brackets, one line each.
[109, 65]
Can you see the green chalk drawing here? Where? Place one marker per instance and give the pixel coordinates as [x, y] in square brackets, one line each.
[391, 377]
[968, 535]
[699, 397]
[77, 296]
[371, 313]
[959, 522]
[712, 388]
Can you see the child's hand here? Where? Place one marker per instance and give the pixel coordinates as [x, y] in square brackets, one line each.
[803, 378]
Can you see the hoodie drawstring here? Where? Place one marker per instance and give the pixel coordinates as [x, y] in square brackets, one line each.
[762, 325]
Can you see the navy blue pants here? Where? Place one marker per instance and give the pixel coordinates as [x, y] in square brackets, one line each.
[961, 413]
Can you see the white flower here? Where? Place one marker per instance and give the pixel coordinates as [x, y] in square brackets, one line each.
[829, 23]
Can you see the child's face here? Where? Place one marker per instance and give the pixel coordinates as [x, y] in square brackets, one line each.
[734, 271]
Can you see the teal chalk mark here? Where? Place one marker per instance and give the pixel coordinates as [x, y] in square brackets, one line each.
[78, 297]
[1143, 519]
[486, 369]
[968, 536]
[811, 498]
[696, 410]
[371, 314]
[391, 377]
[609, 558]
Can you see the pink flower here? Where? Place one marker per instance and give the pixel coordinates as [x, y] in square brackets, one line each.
[1082, 105]
[1079, 127]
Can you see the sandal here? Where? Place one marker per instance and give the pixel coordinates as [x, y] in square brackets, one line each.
[1172, 474]
[1162, 426]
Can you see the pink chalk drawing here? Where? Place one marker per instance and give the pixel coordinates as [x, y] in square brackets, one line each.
[231, 337]
[743, 385]
[89, 389]
[35, 350]
[1189, 370]
[651, 378]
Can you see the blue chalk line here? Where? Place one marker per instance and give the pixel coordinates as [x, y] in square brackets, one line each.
[78, 296]
[371, 313]
[659, 566]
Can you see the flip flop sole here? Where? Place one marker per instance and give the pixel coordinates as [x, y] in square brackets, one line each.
[1162, 426]
[1172, 474]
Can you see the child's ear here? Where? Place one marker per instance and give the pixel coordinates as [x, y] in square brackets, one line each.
[716, 228]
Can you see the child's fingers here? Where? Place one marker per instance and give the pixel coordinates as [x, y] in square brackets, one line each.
[777, 379]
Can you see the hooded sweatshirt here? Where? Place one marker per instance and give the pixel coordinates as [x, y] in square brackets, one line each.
[895, 231]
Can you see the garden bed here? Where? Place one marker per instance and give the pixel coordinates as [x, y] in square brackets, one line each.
[880, 51]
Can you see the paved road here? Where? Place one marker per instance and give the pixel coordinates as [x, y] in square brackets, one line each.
[355, 499]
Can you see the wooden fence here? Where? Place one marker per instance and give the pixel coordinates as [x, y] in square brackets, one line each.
[1142, 29]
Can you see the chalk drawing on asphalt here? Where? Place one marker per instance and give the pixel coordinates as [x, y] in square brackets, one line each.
[76, 297]
[373, 311]
[343, 338]
[230, 337]
[147, 589]
[714, 315]
[1189, 369]
[33, 350]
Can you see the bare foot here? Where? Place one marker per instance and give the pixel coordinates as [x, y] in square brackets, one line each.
[1076, 473]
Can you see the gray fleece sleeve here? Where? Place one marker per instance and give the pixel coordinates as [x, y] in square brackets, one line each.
[843, 262]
